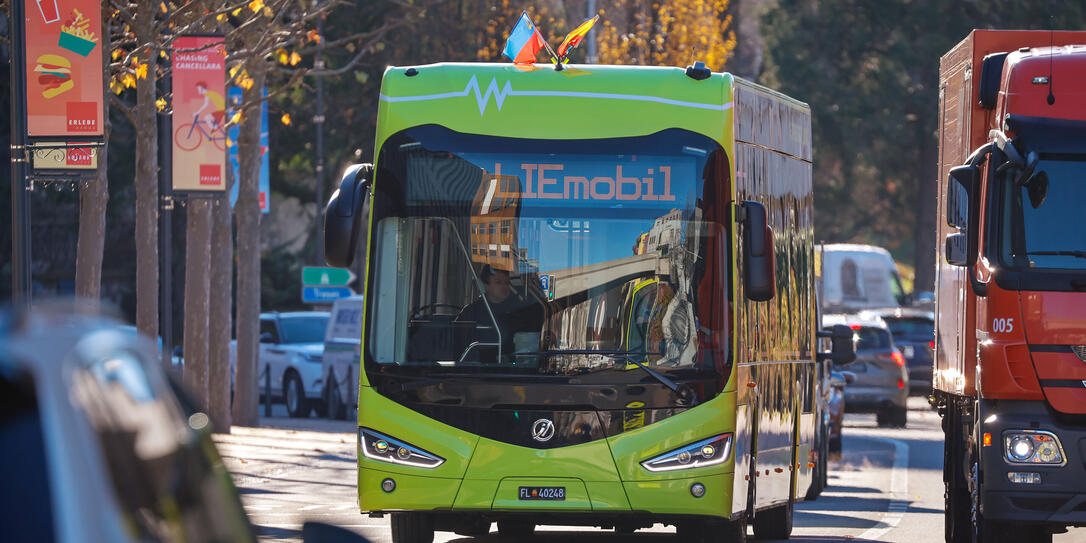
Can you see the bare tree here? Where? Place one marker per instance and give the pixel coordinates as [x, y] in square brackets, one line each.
[93, 198]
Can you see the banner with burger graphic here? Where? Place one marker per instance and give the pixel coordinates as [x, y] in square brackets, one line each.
[64, 68]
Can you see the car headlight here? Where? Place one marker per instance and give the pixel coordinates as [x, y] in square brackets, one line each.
[310, 357]
[707, 452]
[1032, 447]
[377, 446]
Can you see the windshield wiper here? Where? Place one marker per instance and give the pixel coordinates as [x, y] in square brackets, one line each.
[1079, 254]
[681, 391]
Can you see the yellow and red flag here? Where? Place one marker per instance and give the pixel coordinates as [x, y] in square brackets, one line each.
[574, 38]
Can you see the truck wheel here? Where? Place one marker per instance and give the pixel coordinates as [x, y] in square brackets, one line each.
[412, 528]
[294, 395]
[774, 523]
[515, 528]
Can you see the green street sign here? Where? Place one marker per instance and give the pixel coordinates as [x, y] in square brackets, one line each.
[326, 276]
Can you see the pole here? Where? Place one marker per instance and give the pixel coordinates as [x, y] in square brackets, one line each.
[20, 198]
[591, 35]
[165, 227]
[318, 120]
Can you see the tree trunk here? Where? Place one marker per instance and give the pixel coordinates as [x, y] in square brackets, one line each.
[248, 249]
[924, 234]
[197, 289]
[93, 198]
[147, 181]
[222, 266]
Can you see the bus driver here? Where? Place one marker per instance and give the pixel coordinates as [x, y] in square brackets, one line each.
[512, 312]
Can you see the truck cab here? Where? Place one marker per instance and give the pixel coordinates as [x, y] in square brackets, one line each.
[1009, 371]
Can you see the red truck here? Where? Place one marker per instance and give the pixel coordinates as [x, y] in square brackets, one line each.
[1010, 355]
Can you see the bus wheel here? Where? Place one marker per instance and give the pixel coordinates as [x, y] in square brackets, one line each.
[515, 528]
[712, 531]
[774, 523]
[412, 528]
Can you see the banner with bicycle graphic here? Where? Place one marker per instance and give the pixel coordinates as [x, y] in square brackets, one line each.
[199, 114]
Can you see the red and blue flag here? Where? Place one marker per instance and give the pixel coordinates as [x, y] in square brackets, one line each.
[524, 41]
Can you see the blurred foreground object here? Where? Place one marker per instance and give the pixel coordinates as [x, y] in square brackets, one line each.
[97, 443]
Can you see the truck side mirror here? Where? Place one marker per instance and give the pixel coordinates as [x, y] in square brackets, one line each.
[843, 349]
[965, 180]
[343, 216]
[759, 273]
[956, 250]
[959, 191]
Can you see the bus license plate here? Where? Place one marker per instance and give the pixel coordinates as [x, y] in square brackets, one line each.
[542, 493]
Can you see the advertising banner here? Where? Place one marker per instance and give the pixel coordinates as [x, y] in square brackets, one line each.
[64, 68]
[235, 98]
[199, 113]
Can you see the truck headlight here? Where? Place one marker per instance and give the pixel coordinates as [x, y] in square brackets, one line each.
[707, 452]
[377, 446]
[1032, 447]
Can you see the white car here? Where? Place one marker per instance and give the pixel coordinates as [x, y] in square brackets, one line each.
[342, 352]
[291, 350]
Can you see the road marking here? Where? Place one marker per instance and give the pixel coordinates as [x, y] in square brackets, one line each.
[899, 490]
[310, 507]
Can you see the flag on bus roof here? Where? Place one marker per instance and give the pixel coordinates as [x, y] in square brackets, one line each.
[574, 38]
[524, 41]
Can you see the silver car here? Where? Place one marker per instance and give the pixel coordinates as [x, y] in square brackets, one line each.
[882, 380]
[96, 444]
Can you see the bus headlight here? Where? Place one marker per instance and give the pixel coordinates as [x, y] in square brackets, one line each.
[1032, 447]
[707, 452]
[377, 446]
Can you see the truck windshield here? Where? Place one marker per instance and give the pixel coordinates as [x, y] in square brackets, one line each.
[1041, 216]
[493, 255]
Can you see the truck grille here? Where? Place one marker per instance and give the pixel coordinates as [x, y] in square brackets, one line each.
[1080, 351]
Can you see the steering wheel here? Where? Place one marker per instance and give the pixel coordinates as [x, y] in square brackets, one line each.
[431, 309]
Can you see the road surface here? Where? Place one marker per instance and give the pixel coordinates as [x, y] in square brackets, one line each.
[887, 486]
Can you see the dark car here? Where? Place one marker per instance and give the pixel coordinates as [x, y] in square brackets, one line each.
[882, 382]
[835, 408]
[913, 331]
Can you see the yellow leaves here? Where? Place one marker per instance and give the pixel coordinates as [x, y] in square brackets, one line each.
[267, 12]
[256, 5]
[295, 58]
[116, 54]
[246, 82]
[129, 81]
[285, 119]
[236, 12]
[281, 55]
[160, 104]
[116, 86]
[162, 7]
[220, 17]
[236, 117]
[313, 36]
[141, 70]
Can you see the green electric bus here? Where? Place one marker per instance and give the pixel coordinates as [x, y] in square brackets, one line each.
[589, 300]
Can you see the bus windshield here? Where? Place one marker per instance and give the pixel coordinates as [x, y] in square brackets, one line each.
[493, 255]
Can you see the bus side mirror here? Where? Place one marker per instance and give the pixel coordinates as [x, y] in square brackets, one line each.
[343, 215]
[759, 273]
[843, 350]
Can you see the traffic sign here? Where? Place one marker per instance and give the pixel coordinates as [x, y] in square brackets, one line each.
[313, 275]
[316, 295]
